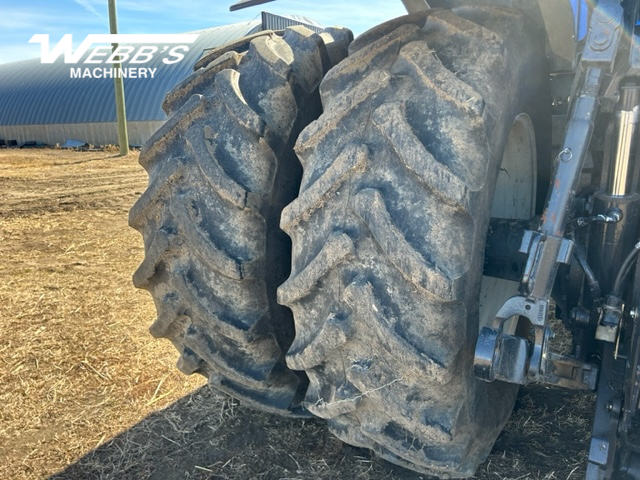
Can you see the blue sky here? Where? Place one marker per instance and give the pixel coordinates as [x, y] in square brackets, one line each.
[20, 20]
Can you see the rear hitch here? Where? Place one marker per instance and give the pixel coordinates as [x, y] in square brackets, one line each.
[503, 355]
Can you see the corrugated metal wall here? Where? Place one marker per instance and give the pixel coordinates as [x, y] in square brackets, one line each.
[97, 133]
[41, 102]
[32, 93]
[279, 22]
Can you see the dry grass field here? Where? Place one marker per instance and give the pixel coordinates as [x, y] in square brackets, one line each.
[86, 393]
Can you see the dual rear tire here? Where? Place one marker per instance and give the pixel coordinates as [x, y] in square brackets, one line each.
[387, 217]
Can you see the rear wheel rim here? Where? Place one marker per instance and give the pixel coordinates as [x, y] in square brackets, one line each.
[515, 198]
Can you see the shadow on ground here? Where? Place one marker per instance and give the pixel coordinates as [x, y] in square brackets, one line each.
[207, 436]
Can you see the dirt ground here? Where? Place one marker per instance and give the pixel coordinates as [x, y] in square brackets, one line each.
[86, 392]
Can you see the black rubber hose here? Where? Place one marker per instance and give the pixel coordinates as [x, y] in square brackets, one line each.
[624, 269]
[594, 285]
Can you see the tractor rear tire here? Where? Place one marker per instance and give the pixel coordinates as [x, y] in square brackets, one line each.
[220, 171]
[390, 226]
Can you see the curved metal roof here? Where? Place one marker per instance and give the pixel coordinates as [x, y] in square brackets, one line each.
[33, 93]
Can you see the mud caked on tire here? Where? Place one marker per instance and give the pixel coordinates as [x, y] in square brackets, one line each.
[220, 171]
[389, 232]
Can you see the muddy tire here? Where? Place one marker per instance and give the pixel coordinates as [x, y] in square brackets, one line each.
[389, 231]
[220, 171]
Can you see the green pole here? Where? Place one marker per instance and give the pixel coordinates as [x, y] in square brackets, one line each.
[118, 83]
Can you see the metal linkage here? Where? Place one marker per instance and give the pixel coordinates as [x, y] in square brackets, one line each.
[546, 253]
[502, 352]
[605, 29]
[505, 356]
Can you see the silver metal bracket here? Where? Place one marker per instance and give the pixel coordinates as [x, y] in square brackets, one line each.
[609, 325]
[546, 252]
[503, 355]
[504, 352]
[605, 31]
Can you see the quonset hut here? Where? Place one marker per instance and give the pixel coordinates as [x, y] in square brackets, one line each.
[42, 102]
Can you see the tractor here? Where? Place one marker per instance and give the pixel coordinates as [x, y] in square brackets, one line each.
[387, 232]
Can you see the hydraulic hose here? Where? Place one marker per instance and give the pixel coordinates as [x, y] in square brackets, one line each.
[624, 269]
